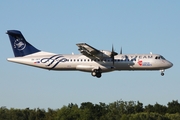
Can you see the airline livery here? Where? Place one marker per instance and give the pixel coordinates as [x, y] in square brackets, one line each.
[90, 60]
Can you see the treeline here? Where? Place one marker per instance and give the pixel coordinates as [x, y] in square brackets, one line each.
[118, 110]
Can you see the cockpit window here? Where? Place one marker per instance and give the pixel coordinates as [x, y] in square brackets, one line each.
[159, 57]
[162, 57]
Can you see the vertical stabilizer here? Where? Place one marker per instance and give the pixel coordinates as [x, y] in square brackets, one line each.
[19, 45]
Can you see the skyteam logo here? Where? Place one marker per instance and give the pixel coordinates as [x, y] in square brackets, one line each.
[19, 44]
[53, 61]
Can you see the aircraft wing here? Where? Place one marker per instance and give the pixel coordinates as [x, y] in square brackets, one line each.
[89, 51]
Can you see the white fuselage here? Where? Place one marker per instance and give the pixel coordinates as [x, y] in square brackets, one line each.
[91, 59]
[83, 63]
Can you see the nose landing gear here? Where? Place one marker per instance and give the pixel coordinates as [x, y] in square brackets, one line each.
[162, 72]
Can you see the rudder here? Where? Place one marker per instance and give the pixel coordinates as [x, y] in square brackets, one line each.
[19, 44]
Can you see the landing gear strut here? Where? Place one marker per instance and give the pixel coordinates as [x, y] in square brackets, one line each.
[96, 73]
[162, 72]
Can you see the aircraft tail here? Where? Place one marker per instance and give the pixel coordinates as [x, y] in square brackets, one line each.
[19, 44]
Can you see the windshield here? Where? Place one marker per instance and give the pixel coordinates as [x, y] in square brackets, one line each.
[160, 57]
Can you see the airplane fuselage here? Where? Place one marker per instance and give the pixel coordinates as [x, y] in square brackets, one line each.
[91, 59]
[83, 63]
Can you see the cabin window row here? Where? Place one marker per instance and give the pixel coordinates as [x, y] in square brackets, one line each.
[97, 60]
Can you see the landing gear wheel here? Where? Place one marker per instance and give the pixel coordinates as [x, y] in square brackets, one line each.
[162, 74]
[98, 75]
[93, 74]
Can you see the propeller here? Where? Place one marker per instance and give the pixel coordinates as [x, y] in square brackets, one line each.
[113, 54]
[121, 51]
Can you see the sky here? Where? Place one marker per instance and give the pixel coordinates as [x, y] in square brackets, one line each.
[57, 26]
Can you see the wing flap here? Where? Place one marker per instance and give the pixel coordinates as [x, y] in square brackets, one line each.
[88, 50]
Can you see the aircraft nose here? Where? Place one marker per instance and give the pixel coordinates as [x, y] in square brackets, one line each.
[170, 64]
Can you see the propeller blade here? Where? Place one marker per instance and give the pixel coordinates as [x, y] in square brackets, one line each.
[112, 54]
[112, 49]
[121, 51]
[113, 60]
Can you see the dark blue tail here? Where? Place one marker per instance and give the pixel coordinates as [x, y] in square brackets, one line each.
[19, 45]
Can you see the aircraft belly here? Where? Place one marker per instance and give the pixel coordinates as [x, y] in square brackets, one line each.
[124, 66]
[89, 67]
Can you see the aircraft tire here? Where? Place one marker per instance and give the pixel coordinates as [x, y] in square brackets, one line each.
[162, 74]
[98, 75]
[93, 73]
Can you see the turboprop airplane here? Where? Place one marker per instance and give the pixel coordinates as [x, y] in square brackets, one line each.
[90, 60]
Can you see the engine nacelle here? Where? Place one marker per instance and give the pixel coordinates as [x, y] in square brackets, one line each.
[106, 53]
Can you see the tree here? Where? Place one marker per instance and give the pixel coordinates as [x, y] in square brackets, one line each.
[161, 109]
[40, 114]
[173, 107]
[149, 108]
[70, 112]
[138, 107]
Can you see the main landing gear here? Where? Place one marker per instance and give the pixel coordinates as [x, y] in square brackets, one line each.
[96, 72]
[162, 72]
